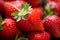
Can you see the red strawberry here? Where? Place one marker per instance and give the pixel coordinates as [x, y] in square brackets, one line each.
[9, 29]
[28, 19]
[39, 36]
[52, 25]
[12, 6]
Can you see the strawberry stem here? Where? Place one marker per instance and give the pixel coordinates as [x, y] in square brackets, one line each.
[1, 23]
[20, 38]
[48, 11]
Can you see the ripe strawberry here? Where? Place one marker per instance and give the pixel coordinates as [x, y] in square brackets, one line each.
[9, 30]
[12, 6]
[52, 25]
[28, 19]
[39, 36]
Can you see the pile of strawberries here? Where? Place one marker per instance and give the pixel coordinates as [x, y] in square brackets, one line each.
[29, 19]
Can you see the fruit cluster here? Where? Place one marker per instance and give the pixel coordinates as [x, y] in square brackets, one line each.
[29, 19]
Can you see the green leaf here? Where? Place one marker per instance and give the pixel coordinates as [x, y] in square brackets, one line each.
[0, 19]
[18, 19]
[1, 28]
[1, 23]
[24, 18]
[22, 13]
[14, 14]
[23, 39]
[16, 38]
[25, 6]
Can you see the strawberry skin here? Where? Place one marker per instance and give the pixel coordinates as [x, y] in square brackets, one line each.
[33, 22]
[9, 9]
[9, 29]
[52, 25]
[34, 3]
[39, 36]
[39, 11]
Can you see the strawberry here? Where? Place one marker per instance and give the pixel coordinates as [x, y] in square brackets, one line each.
[39, 36]
[52, 23]
[28, 19]
[9, 29]
[11, 7]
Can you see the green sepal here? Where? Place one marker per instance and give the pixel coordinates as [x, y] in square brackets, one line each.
[20, 38]
[24, 17]
[22, 13]
[14, 14]
[1, 28]
[1, 23]
[16, 38]
[48, 11]
[23, 39]
[25, 6]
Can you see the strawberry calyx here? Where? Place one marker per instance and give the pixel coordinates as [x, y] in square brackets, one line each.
[20, 38]
[1, 23]
[49, 11]
[22, 13]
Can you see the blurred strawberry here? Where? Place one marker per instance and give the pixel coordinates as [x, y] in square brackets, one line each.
[39, 36]
[9, 29]
[52, 23]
